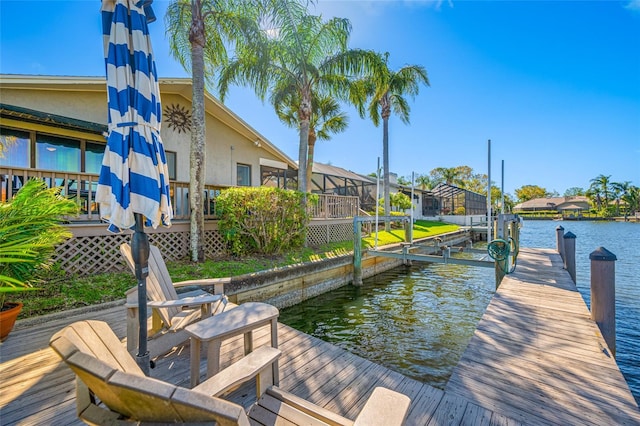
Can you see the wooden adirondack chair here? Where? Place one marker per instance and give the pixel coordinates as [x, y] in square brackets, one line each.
[170, 311]
[104, 369]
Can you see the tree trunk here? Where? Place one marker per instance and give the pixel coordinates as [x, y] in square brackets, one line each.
[312, 145]
[198, 135]
[304, 114]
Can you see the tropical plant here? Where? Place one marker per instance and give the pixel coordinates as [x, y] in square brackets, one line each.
[424, 182]
[199, 33]
[619, 190]
[632, 199]
[384, 91]
[326, 118]
[299, 56]
[265, 220]
[400, 201]
[600, 191]
[30, 228]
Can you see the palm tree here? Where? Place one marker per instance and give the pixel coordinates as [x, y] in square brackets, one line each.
[299, 56]
[632, 198]
[620, 189]
[384, 90]
[199, 32]
[424, 182]
[600, 189]
[326, 118]
[450, 175]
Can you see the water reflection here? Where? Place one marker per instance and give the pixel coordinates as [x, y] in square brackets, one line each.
[415, 320]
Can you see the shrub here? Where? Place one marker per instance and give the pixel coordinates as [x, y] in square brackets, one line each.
[261, 219]
[460, 211]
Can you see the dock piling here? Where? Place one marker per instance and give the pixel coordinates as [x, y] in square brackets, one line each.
[560, 241]
[357, 252]
[603, 294]
[569, 244]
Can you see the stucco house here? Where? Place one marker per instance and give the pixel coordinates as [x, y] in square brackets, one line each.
[54, 127]
[57, 125]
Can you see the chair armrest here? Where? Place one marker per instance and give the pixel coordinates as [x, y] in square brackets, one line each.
[385, 408]
[309, 408]
[239, 372]
[187, 301]
[216, 283]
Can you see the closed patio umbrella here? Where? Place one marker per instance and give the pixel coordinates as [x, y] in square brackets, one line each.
[134, 179]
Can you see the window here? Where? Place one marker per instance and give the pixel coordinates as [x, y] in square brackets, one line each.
[16, 148]
[244, 175]
[171, 164]
[93, 154]
[54, 153]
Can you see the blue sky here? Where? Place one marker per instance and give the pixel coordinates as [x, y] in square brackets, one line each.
[555, 85]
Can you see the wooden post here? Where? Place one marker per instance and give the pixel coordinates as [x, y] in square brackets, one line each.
[405, 252]
[560, 241]
[603, 294]
[357, 252]
[570, 254]
[500, 266]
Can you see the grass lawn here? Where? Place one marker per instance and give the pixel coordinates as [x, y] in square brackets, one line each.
[421, 229]
[61, 291]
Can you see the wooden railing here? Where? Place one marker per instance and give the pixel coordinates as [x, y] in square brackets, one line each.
[82, 187]
[334, 207]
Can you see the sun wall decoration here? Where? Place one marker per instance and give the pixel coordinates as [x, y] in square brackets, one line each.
[178, 118]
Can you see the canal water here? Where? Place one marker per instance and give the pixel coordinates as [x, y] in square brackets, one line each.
[418, 320]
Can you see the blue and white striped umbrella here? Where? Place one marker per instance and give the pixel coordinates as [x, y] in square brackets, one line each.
[134, 177]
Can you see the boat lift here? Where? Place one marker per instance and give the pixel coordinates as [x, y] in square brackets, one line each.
[506, 228]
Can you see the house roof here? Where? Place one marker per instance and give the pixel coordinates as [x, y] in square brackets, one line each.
[55, 120]
[328, 169]
[176, 86]
[571, 207]
[552, 203]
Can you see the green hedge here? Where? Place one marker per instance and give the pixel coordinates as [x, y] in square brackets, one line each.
[262, 219]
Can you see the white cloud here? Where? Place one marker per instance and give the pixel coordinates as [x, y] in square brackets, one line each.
[633, 5]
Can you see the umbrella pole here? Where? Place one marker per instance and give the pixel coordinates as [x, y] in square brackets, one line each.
[140, 253]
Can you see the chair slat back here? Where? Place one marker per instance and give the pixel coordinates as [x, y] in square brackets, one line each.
[159, 285]
[96, 339]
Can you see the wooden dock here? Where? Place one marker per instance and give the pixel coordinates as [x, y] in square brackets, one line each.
[524, 365]
[537, 357]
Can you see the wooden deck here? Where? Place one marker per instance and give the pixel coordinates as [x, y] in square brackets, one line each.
[529, 362]
[38, 389]
[537, 357]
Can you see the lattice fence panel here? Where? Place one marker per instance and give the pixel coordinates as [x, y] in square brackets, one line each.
[92, 254]
[172, 245]
[214, 243]
[321, 233]
[317, 235]
[340, 232]
[96, 254]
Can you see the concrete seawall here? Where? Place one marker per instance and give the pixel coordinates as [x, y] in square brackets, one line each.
[287, 286]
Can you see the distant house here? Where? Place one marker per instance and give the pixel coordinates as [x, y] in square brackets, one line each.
[573, 204]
